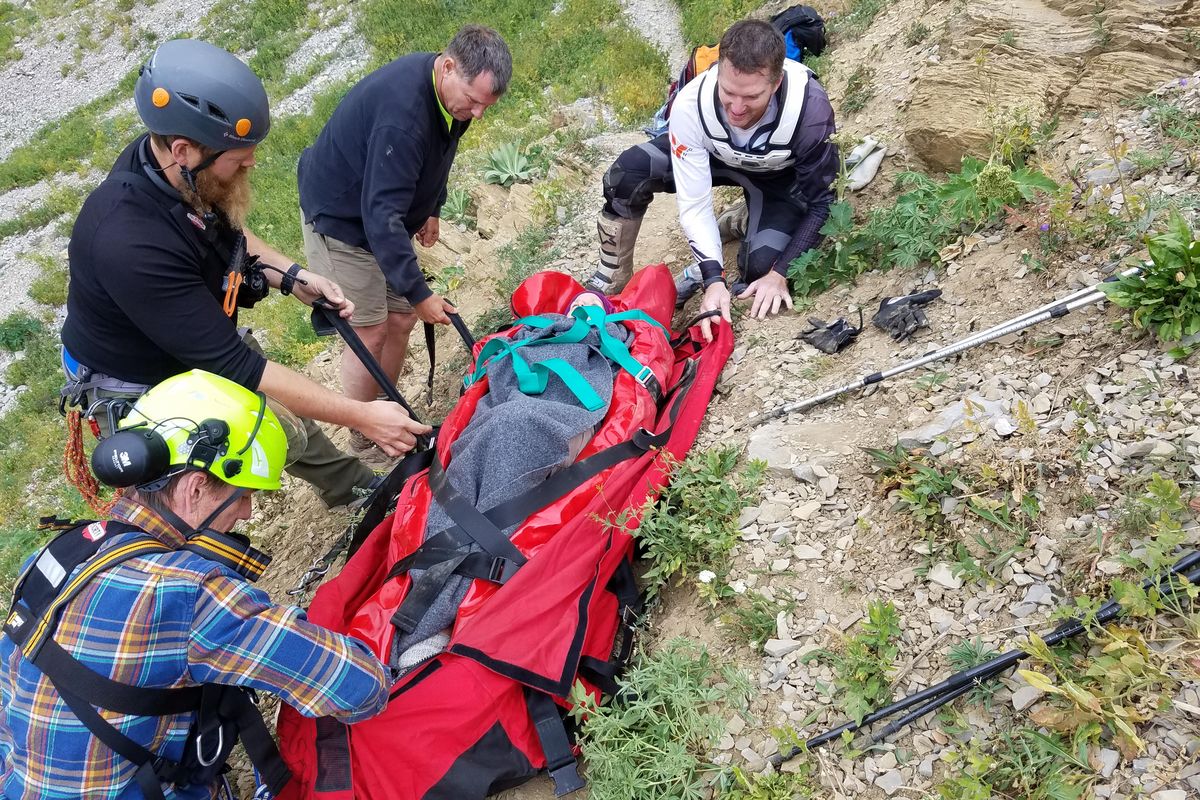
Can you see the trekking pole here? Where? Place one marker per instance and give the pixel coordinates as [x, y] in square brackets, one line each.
[940, 694]
[1055, 311]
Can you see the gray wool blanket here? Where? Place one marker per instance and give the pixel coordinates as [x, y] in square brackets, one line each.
[513, 443]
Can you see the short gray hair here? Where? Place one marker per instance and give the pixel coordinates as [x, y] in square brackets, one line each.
[477, 49]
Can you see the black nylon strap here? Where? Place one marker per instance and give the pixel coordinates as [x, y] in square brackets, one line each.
[431, 348]
[464, 333]
[344, 329]
[424, 592]
[148, 776]
[256, 738]
[469, 519]
[64, 670]
[686, 335]
[409, 466]
[473, 565]
[560, 761]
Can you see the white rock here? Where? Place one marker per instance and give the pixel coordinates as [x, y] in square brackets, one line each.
[890, 782]
[778, 648]
[1170, 794]
[805, 512]
[1024, 697]
[943, 575]
[806, 552]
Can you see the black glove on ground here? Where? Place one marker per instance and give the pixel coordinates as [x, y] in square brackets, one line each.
[831, 337]
[900, 316]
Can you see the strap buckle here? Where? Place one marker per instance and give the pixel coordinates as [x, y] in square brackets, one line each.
[499, 571]
[644, 375]
[566, 778]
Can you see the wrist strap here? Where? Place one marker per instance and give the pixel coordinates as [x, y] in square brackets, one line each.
[288, 281]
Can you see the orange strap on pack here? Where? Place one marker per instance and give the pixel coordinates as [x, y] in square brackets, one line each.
[233, 282]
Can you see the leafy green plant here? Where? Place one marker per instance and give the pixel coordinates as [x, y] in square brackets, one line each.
[859, 89]
[1113, 689]
[968, 654]
[771, 785]
[1164, 295]
[458, 207]
[507, 165]
[864, 661]
[915, 33]
[693, 524]
[981, 190]
[754, 617]
[1023, 763]
[17, 329]
[657, 732]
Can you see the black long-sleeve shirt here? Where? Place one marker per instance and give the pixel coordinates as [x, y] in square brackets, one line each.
[145, 297]
[378, 169]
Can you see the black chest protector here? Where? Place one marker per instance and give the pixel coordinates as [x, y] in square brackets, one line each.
[770, 147]
[223, 714]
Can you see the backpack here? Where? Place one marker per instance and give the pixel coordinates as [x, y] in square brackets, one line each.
[803, 32]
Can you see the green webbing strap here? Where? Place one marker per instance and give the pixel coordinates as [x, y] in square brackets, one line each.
[533, 379]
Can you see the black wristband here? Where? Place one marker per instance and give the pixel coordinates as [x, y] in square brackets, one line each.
[288, 281]
[710, 271]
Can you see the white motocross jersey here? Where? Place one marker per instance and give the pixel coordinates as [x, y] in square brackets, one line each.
[698, 131]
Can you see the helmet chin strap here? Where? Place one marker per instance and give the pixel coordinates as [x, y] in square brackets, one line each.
[188, 530]
[189, 174]
[229, 549]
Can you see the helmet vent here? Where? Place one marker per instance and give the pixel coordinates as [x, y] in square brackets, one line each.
[190, 99]
[216, 111]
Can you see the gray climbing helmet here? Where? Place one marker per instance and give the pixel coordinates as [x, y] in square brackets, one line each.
[195, 89]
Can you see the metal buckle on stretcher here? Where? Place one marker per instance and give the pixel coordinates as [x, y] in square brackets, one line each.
[499, 572]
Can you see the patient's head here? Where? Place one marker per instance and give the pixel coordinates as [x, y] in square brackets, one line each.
[591, 298]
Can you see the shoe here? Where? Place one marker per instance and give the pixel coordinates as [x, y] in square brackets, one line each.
[368, 494]
[370, 453]
[687, 284]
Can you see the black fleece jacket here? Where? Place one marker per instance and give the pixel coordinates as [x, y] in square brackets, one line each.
[378, 169]
[145, 297]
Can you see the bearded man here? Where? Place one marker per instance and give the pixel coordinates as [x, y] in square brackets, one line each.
[161, 260]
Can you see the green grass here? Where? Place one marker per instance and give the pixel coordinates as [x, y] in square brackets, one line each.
[856, 19]
[59, 202]
[82, 137]
[273, 29]
[705, 20]
[31, 446]
[15, 21]
[584, 50]
[860, 88]
[656, 735]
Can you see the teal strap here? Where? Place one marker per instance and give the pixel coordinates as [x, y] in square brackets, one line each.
[533, 379]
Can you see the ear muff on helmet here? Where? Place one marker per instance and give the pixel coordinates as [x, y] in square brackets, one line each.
[141, 456]
[131, 458]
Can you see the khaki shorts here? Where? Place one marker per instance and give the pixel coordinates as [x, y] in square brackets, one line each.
[357, 272]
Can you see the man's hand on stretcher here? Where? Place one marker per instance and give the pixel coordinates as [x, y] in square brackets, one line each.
[390, 427]
[716, 298]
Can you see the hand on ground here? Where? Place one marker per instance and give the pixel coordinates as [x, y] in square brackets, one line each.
[770, 293]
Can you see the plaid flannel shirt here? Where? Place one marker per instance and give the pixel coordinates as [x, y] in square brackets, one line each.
[168, 620]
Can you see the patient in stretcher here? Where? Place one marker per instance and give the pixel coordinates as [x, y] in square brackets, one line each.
[514, 442]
